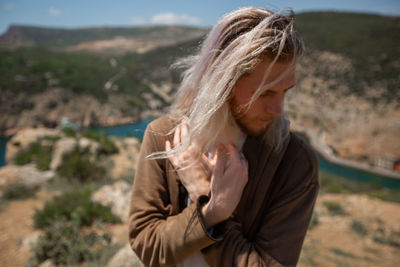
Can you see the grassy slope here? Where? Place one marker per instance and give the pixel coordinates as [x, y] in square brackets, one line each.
[369, 40]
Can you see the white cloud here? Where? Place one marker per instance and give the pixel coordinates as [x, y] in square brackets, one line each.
[9, 6]
[171, 18]
[54, 11]
[167, 18]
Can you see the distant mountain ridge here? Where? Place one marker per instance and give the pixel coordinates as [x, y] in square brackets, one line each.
[57, 37]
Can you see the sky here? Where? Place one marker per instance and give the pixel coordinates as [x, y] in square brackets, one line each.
[89, 13]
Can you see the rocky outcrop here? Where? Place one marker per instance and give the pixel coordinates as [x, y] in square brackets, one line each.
[117, 197]
[124, 163]
[361, 128]
[67, 145]
[27, 175]
[22, 139]
[48, 108]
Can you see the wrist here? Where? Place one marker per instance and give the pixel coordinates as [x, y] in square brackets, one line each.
[210, 214]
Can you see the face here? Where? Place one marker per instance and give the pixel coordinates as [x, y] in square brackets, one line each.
[255, 119]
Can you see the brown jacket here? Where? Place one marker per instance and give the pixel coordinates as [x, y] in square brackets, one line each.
[267, 228]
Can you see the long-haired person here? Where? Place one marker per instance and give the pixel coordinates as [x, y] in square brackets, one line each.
[221, 180]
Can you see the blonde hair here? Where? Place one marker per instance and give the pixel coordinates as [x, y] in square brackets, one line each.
[233, 48]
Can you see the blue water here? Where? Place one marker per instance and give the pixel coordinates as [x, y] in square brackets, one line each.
[132, 129]
[3, 142]
[356, 174]
[137, 130]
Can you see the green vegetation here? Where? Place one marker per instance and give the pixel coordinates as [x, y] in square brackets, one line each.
[359, 228]
[78, 166]
[335, 184]
[37, 153]
[76, 207]
[66, 240]
[107, 146]
[387, 237]
[341, 252]
[17, 191]
[65, 244]
[30, 70]
[52, 138]
[69, 131]
[370, 41]
[334, 208]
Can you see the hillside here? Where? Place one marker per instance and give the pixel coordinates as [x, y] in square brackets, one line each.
[54, 37]
[347, 89]
[369, 41]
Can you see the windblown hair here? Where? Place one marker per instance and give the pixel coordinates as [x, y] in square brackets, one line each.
[233, 48]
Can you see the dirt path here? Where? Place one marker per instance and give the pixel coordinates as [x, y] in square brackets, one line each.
[16, 227]
[334, 242]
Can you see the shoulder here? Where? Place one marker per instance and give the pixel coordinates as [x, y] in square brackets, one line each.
[156, 133]
[299, 162]
[302, 150]
[162, 125]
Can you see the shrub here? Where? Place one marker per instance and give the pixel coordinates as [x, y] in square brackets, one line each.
[51, 138]
[107, 146]
[334, 208]
[64, 243]
[341, 252]
[37, 153]
[391, 239]
[77, 165]
[75, 206]
[68, 131]
[359, 228]
[91, 135]
[17, 191]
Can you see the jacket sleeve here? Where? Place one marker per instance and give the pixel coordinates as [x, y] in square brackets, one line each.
[280, 237]
[157, 235]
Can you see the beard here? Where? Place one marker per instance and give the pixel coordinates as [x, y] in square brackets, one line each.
[251, 129]
[253, 126]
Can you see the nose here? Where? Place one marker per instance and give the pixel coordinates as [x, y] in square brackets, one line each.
[274, 107]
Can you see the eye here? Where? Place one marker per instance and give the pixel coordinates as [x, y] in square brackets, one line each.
[267, 93]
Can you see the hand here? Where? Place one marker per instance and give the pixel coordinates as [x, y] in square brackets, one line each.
[193, 167]
[227, 183]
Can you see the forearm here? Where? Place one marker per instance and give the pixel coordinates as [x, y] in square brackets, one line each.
[167, 241]
[277, 242]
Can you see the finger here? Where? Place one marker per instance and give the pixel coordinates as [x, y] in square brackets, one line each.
[220, 159]
[210, 162]
[177, 136]
[184, 131]
[167, 145]
[234, 156]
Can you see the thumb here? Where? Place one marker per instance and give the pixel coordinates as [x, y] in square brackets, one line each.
[220, 159]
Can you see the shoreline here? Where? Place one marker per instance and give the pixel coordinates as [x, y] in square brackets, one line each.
[322, 150]
[327, 154]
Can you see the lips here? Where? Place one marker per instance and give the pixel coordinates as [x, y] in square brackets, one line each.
[265, 120]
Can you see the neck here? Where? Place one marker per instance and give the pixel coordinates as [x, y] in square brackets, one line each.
[232, 134]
